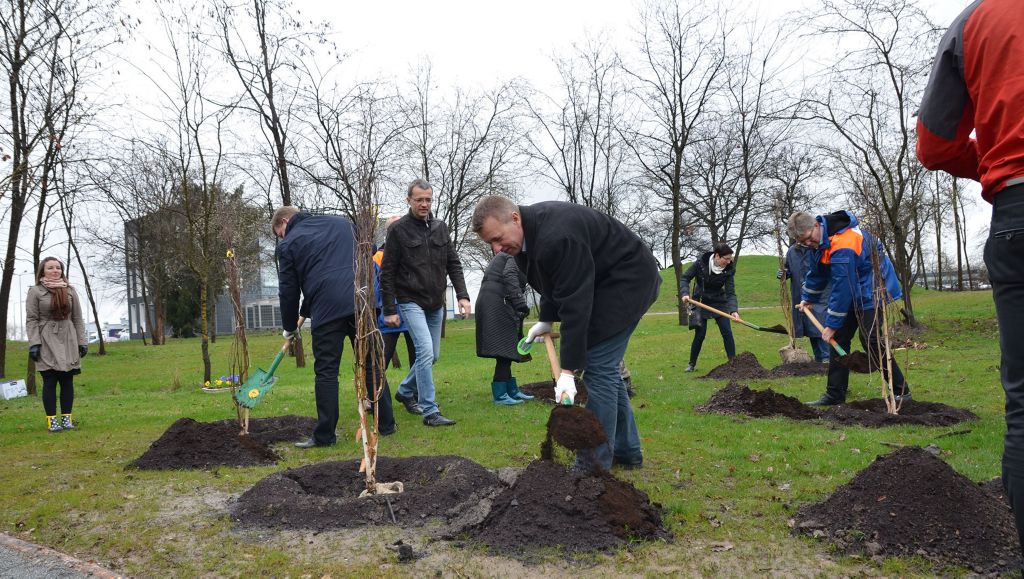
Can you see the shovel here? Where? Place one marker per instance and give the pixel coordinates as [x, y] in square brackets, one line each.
[556, 368]
[776, 329]
[259, 383]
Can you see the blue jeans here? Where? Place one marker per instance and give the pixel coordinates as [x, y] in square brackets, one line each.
[425, 329]
[821, 349]
[607, 399]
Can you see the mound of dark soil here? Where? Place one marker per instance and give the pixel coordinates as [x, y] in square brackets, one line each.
[743, 367]
[189, 444]
[910, 502]
[277, 429]
[739, 399]
[799, 369]
[873, 413]
[326, 495]
[545, 391]
[552, 507]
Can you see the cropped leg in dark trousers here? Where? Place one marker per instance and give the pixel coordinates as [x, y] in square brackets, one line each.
[725, 327]
[391, 344]
[67, 391]
[863, 323]
[502, 369]
[1004, 257]
[328, 343]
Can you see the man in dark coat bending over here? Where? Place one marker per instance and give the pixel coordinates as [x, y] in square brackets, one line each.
[597, 278]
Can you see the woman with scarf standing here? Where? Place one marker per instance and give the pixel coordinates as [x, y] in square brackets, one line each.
[715, 286]
[56, 337]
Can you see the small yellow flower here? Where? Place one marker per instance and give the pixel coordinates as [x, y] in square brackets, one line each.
[230, 254]
[207, 384]
[254, 393]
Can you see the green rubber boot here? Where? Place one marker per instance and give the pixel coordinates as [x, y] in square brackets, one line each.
[499, 390]
[514, 393]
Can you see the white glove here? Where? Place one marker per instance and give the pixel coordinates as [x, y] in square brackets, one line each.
[537, 331]
[290, 335]
[566, 385]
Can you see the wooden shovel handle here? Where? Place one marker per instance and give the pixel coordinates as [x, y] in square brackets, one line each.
[298, 326]
[690, 300]
[817, 324]
[549, 345]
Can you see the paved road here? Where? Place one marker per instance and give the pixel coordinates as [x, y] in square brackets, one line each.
[22, 560]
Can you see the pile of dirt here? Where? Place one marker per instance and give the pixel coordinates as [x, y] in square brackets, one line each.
[743, 367]
[873, 412]
[326, 495]
[188, 444]
[910, 502]
[545, 391]
[277, 429]
[739, 399]
[799, 369]
[552, 507]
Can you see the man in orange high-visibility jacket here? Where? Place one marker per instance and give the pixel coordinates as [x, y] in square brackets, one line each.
[844, 257]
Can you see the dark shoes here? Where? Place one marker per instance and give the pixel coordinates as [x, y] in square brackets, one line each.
[310, 443]
[411, 405]
[436, 419]
[389, 432]
[628, 464]
[690, 368]
[904, 397]
[825, 400]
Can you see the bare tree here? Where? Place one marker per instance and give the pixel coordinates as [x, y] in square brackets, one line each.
[866, 99]
[676, 78]
[578, 133]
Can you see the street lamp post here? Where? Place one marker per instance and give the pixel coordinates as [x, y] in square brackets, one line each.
[21, 305]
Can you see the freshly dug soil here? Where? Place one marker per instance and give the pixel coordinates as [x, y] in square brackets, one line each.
[545, 391]
[188, 444]
[910, 502]
[551, 507]
[326, 495]
[737, 398]
[277, 429]
[873, 413]
[799, 369]
[745, 366]
[575, 428]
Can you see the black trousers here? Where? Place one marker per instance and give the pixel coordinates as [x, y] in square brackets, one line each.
[328, 345]
[67, 391]
[724, 326]
[1004, 257]
[502, 369]
[391, 344]
[864, 323]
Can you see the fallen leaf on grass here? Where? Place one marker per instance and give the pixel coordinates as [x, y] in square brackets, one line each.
[720, 546]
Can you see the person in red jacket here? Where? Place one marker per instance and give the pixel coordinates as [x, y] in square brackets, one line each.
[977, 85]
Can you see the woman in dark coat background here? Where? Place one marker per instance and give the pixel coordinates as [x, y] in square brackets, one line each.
[714, 274]
[56, 337]
[500, 310]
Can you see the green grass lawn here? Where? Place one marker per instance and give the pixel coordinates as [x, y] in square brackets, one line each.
[720, 479]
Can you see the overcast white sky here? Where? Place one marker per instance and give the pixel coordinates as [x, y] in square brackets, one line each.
[470, 44]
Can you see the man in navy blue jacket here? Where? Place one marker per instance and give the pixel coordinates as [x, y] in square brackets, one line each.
[597, 278]
[316, 259]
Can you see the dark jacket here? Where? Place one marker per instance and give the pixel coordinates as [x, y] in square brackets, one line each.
[717, 290]
[799, 261]
[316, 259]
[417, 256]
[500, 309]
[844, 260]
[593, 274]
[976, 85]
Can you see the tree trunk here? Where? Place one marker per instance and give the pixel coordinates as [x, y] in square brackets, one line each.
[92, 301]
[959, 246]
[205, 331]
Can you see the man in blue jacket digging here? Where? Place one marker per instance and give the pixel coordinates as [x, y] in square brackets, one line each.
[316, 259]
[844, 255]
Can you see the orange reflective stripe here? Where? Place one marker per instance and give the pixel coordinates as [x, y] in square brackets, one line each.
[849, 239]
